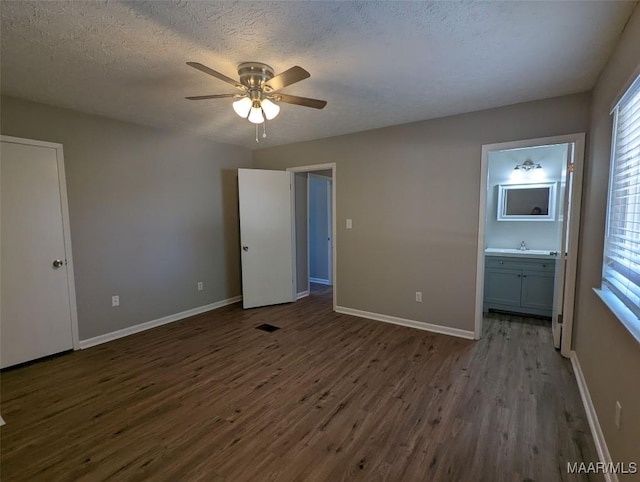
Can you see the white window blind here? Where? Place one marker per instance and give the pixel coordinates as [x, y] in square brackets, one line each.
[621, 263]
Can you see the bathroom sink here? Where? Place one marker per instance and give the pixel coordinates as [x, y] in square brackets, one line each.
[517, 253]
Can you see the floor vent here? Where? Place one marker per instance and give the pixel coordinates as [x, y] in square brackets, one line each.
[267, 327]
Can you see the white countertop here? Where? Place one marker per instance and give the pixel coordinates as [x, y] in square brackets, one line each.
[518, 253]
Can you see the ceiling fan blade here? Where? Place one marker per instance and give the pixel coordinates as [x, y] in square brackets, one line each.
[217, 75]
[288, 77]
[215, 96]
[304, 101]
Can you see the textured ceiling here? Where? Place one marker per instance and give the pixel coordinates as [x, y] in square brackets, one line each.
[376, 63]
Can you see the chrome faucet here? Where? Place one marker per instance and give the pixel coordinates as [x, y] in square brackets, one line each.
[523, 246]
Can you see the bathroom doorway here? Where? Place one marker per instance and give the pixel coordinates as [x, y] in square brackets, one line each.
[530, 198]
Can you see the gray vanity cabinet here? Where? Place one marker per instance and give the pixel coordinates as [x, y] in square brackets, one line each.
[502, 286]
[519, 285]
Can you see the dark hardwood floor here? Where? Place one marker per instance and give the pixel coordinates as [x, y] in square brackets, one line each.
[327, 397]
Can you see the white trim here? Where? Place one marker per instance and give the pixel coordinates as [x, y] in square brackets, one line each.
[502, 203]
[571, 270]
[307, 225]
[334, 218]
[330, 228]
[592, 417]
[30, 142]
[66, 230]
[114, 335]
[313, 167]
[482, 214]
[419, 325]
[302, 294]
[578, 140]
[320, 281]
[292, 203]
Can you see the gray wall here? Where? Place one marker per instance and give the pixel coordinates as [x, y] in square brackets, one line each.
[608, 353]
[412, 192]
[302, 268]
[319, 232]
[151, 214]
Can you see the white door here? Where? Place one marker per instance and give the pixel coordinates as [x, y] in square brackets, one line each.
[562, 248]
[35, 304]
[266, 237]
[330, 231]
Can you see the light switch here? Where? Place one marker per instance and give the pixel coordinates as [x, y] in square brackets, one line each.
[349, 224]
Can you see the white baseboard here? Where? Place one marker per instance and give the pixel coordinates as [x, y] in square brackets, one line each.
[443, 330]
[114, 335]
[302, 294]
[320, 281]
[592, 417]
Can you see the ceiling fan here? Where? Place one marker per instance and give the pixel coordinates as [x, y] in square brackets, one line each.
[259, 90]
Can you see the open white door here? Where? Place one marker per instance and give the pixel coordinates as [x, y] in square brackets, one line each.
[562, 248]
[266, 237]
[330, 230]
[36, 300]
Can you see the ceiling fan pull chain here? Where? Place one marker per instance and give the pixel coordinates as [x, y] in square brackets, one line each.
[264, 130]
[257, 134]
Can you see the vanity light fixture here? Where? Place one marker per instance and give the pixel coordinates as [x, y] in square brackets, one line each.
[527, 166]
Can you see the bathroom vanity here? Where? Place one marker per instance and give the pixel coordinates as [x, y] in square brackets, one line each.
[519, 281]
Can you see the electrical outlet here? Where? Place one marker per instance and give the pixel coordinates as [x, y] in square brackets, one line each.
[419, 296]
[349, 224]
[115, 301]
[618, 414]
[200, 286]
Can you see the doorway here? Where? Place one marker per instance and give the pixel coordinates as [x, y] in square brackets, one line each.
[527, 259]
[319, 187]
[315, 229]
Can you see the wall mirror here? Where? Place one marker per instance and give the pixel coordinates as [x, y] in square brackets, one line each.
[527, 202]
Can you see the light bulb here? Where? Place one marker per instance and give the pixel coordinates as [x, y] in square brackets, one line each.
[255, 115]
[242, 107]
[270, 109]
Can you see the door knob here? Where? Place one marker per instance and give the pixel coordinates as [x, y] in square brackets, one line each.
[245, 248]
[57, 263]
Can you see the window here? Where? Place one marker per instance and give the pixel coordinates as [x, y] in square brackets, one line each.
[621, 262]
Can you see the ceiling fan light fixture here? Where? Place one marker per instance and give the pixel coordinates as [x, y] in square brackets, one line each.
[270, 109]
[255, 116]
[242, 107]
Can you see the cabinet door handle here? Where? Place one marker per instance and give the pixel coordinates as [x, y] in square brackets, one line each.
[524, 275]
[519, 275]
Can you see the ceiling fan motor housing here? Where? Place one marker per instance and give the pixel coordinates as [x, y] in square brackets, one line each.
[254, 74]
